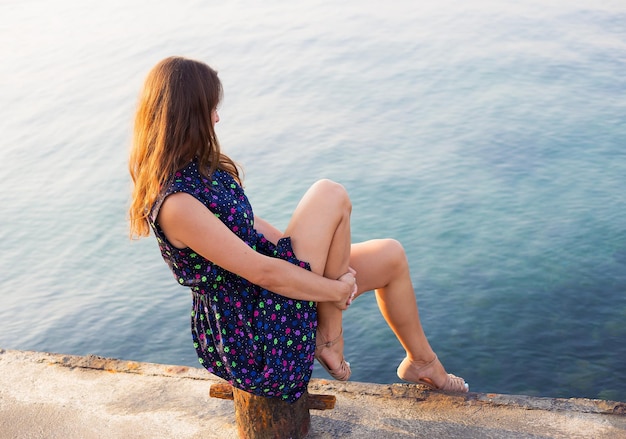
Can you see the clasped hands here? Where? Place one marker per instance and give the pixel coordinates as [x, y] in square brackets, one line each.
[350, 279]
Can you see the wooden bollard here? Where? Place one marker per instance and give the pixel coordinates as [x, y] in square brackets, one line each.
[259, 417]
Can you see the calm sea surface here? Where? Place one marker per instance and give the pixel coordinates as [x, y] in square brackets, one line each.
[489, 137]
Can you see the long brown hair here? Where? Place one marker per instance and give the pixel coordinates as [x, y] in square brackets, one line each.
[173, 126]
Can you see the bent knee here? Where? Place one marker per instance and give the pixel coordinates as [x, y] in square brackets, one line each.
[394, 252]
[333, 192]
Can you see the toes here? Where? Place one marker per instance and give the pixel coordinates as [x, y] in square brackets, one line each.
[456, 384]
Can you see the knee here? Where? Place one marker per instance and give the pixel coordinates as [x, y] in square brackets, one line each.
[334, 192]
[395, 255]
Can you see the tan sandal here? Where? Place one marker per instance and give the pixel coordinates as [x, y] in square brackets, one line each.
[453, 383]
[341, 373]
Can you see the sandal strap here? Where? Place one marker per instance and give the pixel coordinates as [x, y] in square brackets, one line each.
[427, 364]
[329, 344]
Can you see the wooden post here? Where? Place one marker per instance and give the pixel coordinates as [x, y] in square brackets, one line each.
[259, 417]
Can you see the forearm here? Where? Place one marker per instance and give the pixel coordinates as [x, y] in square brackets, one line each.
[294, 282]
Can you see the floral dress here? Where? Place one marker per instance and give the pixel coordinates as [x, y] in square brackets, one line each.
[257, 340]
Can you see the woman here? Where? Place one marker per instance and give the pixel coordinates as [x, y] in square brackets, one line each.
[260, 314]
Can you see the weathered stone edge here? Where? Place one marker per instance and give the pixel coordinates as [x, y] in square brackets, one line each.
[412, 391]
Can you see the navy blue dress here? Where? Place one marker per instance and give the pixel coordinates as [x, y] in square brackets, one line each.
[257, 340]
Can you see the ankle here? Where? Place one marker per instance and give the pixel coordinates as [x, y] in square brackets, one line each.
[423, 360]
[328, 336]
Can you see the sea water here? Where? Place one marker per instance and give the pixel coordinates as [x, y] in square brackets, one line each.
[487, 136]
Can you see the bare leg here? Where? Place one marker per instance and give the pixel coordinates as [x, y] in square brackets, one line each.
[320, 232]
[381, 265]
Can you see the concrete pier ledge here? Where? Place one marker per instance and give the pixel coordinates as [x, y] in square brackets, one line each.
[45, 395]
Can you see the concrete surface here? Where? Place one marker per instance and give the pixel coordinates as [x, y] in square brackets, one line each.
[46, 395]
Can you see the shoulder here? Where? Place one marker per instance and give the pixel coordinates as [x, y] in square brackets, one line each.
[187, 180]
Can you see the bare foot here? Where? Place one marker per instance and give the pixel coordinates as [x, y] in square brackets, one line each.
[431, 374]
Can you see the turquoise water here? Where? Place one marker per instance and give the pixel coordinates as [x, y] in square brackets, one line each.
[488, 137]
